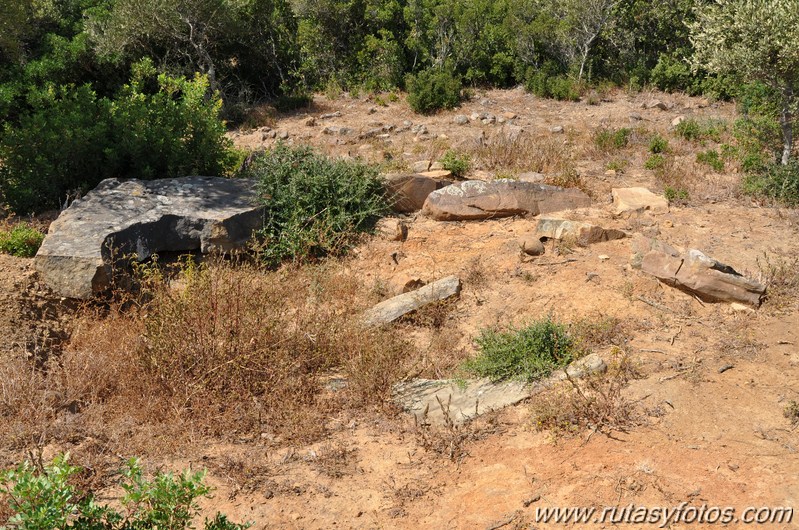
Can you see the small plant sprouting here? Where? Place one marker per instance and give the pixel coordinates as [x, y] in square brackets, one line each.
[456, 163]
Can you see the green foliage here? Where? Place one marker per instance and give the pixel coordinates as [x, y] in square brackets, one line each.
[433, 89]
[612, 139]
[528, 353]
[22, 241]
[314, 206]
[676, 195]
[774, 181]
[456, 163]
[670, 74]
[711, 158]
[43, 498]
[699, 131]
[658, 144]
[655, 161]
[71, 139]
[560, 87]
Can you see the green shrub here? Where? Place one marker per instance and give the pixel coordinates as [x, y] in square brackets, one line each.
[22, 241]
[529, 353]
[433, 89]
[658, 144]
[45, 499]
[560, 87]
[70, 139]
[676, 195]
[670, 74]
[610, 140]
[655, 161]
[699, 131]
[456, 163]
[711, 158]
[775, 181]
[315, 206]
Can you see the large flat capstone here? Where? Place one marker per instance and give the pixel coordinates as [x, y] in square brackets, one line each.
[477, 199]
[121, 218]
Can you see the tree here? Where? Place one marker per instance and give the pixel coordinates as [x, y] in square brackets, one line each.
[753, 40]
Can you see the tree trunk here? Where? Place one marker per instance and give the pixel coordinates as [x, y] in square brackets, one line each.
[786, 123]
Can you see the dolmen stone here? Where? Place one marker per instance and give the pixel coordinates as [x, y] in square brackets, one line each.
[703, 276]
[477, 199]
[121, 218]
[407, 193]
[436, 400]
[583, 234]
[392, 309]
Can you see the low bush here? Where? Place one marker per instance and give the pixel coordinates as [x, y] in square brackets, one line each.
[456, 163]
[22, 241]
[433, 89]
[527, 353]
[700, 131]
[608, 140]
[711, 158]
[658, 144]
[43, 498]
[315, 206]
[559, 87]
[676, 195]
[774, 181]
[655, 161]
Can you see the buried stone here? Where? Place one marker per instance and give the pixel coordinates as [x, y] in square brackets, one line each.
[141, 218]
[392, 309]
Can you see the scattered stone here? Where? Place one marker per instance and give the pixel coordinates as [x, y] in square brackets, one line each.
[557, 129]
[120, 218]
[371, 133]
[475, 116]
[735, 307]
[512, 132]
[335, 130]
[283, 135]
[630, 200]
[310, 122]
[476, 199]
[698, 274]
[331, 115]
[489, 119]
[461, 119]
[603, 257]
[634, 116]
[394, 308]
[583, 234]
[408, 193]
[726, 367]
[531, 245]
[501, 120]
[678, 120]
[610, 173]
[656, 104]
[372, 110]
[434, 400]
[270, 135]
[439, 174]
[703, 103]
[393, 229]
[509, 115]
[421, 166]
[532, 177]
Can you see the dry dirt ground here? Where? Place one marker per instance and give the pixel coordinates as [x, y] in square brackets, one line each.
[713, 386]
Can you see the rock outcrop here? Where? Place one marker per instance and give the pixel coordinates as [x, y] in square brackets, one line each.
[407, 193]
[476, 199]
[583, 234]
[120, 218]
[636, 200]
[392, 309]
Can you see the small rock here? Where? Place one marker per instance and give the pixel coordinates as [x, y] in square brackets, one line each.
[703, 103]
[394, 308]
[531, 245]
[269, 135]
[557, 129]
[335, 130]
[328, 116]
[310, 122]
[627, 200]
[656, 104]
[283, 135]
[610, 173]
[372, 110]
[603, 257]
[634, 116]
[475, 116]
[678, 120]
[393, 229]
[421, 166]
[461, 119]
[726, 367]
[583, 234]
[438, 174]
[509, 115]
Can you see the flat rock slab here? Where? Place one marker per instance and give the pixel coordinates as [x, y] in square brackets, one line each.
[407, 193]
[583, 234]
[120, 218]
[702, 276]
[636, 200]
[432, 400]
[477, 199]
[390, 310]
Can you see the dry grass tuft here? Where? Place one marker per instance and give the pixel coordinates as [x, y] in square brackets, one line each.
[525, 153]
[595, 402]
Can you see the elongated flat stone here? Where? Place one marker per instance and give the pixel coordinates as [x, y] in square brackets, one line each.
[394, 308]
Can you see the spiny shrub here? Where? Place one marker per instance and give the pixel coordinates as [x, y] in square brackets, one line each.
[527, 353]
[433, 89]
[22, 241]
[315, 206]
[43, 498]
[456, 163]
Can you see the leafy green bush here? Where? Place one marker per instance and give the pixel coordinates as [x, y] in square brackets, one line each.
[655, 161]
[658, 144]
[22, 241]
[560, 87]
[45, 499]
[433, 89]
[314, 206]
[157, 126]
[456, 163]
[676, 195]
[711, 158]
[699, 131]
[670, 74]
[610, 140]
[775, 181]
[529, 353]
